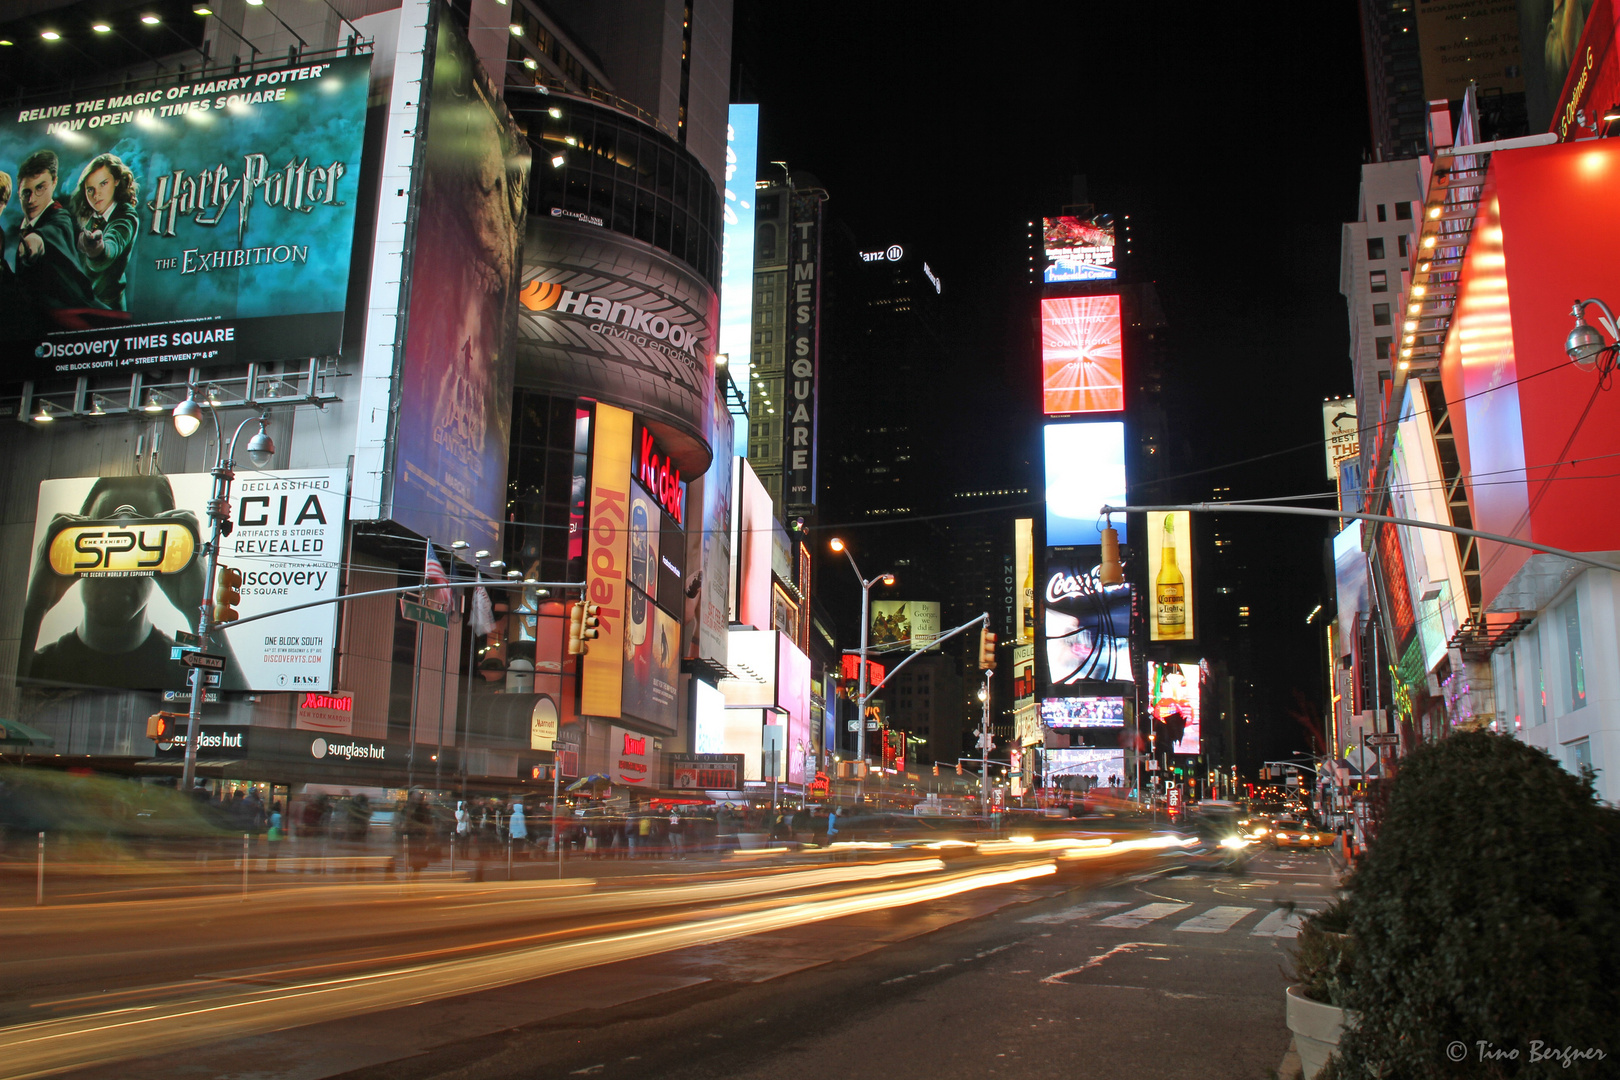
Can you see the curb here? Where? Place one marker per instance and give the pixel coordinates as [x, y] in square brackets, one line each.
[1290, 1068]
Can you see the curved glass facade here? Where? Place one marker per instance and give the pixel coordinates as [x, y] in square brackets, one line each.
[601, 166]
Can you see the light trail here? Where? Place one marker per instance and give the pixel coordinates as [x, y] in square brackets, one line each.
[50, 1046]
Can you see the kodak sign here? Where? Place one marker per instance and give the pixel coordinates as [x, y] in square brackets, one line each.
[606, 551]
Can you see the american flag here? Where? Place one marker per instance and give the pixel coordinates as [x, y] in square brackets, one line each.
[433, 574]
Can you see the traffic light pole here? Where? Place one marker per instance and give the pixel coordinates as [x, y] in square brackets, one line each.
[219, 511]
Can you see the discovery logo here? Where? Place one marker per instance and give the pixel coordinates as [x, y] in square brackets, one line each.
[367, 751]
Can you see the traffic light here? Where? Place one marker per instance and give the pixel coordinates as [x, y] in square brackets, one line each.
[583, 623]
[958, 768]
[1110, 571]
[227, 594]
[936, 768]
[160, 726]
[987, 649]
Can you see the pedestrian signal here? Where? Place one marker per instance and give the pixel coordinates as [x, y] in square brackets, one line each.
[227, 594]
[160, 726]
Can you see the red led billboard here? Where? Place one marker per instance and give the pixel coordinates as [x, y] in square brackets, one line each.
[1082, 365]
[1533, 424]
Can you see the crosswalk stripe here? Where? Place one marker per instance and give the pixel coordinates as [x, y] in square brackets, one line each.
[1077, 912]
[1130, 920]
[1279, 924]
[1217, 920]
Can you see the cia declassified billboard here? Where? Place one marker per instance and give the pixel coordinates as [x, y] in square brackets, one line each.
[186, 225]
[455, 395]
[118, 570]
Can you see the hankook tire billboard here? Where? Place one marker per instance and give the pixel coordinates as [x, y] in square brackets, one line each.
[608, 317]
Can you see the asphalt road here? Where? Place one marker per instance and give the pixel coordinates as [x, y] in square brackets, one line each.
[1169, 975]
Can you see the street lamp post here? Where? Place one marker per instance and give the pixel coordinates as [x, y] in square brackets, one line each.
[187, 419]
[860, 697]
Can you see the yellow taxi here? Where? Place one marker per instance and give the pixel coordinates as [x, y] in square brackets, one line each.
[1293, 833]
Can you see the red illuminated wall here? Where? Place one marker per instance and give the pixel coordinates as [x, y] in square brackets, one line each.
[1082, 368]
[1548, 230]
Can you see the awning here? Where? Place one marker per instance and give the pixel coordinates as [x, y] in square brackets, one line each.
[15, 731]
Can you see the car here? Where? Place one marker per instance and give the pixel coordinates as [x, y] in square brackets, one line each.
[1293, 833]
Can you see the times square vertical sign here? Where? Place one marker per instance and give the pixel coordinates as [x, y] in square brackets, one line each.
[798, 451]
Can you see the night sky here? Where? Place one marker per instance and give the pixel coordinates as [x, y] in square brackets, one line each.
[1231, 133]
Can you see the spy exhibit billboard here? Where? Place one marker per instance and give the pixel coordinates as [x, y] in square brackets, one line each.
[118, 572]
[737, 254]
[204, 222]
[1088, 628]
[455, 383]
[1082, 358]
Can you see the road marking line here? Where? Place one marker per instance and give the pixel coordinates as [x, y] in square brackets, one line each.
[1279, 924]
[1057, 977]
[1078, 911]
[1130, 920]
[1217, 920]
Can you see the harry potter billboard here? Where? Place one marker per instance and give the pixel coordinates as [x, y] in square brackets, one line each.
[203, 222]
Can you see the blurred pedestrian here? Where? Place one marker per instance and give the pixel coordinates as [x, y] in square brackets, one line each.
[832, 824]
[677, 838]
[518, 828]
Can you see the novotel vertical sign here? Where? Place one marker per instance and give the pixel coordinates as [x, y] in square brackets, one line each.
[606, 548]
[799, 459]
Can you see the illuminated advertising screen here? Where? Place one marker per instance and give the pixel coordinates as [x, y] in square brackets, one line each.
[1024, 573]
[118, 572]
[1170, 576]
[1173, 700]
[737, 254]
[188, 225]
[708, 718]
[1085, 469]
[652, 662]
[455, 383]
[1083, 712]
[1085, 768]
[1088, 627]
[1082, 364]
[1078, 248]
[913, 623]
[793, 695]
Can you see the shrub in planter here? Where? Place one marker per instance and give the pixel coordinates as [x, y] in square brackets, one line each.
[1324, 955]
[1486, 913]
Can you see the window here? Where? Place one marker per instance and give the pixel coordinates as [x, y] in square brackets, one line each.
[1382, 345]
[1536, 707]
[1381, 215]
[1569, 616]
[1380, 314]
[1580, 756]
[1378, 281]
[1400, 244]
[1375, 247]
[1403, 211]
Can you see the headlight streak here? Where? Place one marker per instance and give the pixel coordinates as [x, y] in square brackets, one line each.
[44, 1047]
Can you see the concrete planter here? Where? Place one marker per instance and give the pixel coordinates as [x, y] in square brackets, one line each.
[1316, 1029]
